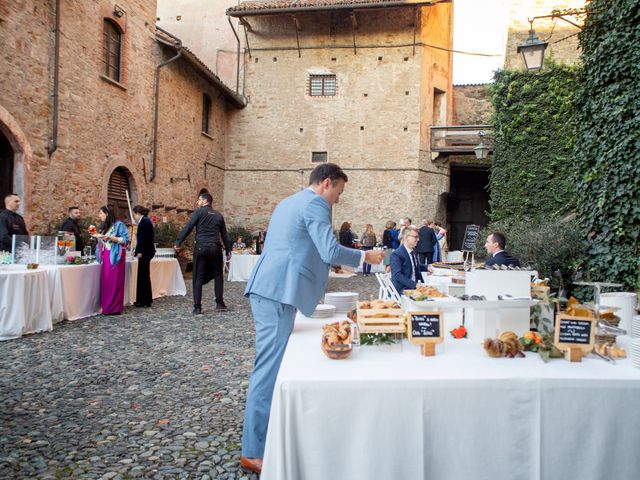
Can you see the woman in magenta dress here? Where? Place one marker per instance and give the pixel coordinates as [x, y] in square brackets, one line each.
[113, 238]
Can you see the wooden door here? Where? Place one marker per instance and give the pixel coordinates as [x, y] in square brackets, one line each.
[468, 202]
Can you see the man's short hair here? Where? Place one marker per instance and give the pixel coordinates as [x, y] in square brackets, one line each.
[499, 238]
[71, 209]
[409, 229]
[9, 195]
[207, 198]
[327, 170]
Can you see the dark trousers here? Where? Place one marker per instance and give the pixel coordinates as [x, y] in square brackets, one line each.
[143, 284]
[426, 258]
[366, 267]
[207, 266]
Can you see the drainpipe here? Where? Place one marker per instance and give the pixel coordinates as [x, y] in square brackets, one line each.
[53, 141]
[156, 102]
[237, 57]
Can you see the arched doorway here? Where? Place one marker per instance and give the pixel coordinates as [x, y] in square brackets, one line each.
[6, 168]
[121, 182]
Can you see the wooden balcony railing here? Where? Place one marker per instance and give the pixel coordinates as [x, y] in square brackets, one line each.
[460, 138]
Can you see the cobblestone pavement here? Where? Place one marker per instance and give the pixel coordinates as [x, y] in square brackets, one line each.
[153, 393]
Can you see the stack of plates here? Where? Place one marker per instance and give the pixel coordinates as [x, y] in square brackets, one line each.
[635, 326]
[635, 352]
[323, 311]
[343, 301]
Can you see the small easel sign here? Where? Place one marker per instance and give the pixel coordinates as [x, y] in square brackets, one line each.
[471, 233]
[425, 329]
[574, 335]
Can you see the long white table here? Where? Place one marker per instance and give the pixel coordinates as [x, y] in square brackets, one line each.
[387, 412]
[31, 300]
[22, 309]
[241, 266]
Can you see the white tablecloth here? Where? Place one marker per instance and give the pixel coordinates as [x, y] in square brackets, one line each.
[241, 266]
[22, 309]
[75, 291]
[166, 279]
[390, 413]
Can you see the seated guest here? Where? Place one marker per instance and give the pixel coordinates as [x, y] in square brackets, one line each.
[71, 225]
[238, 244]
[405, 267]
[494, 245]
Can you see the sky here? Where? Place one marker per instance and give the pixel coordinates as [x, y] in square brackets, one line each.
[480, 26]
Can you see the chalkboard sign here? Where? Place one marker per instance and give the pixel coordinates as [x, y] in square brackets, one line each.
[575, 331]
[471, 233]
[425, 325]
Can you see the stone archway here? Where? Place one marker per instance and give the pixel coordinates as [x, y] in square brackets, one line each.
[19, 147]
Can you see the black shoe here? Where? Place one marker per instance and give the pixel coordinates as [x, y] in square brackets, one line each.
[221, 306]
[197, 310]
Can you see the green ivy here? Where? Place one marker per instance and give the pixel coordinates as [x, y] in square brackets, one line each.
[607, 147]
[533, 171]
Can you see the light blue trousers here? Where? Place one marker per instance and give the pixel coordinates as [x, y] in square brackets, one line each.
[274, 323]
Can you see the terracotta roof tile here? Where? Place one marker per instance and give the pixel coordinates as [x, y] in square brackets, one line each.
[252, 6]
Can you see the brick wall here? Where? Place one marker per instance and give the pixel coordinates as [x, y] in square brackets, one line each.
[471, 105]
[103, 124]
[376, 126]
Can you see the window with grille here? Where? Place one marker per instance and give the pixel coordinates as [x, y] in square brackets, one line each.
[319, 157]
[111, 50]
[322, 85]
[206, 113]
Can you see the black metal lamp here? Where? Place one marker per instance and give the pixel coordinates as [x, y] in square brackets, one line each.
[532, 50]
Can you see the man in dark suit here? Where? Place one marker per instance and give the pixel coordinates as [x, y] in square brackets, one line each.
[494, 245]
[145, 251]
[71, 225]
[426, 243]
[405, 267]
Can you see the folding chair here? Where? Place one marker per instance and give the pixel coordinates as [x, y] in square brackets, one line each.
[387, 289]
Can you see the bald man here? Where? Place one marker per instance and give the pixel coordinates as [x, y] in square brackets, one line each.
[11, 222]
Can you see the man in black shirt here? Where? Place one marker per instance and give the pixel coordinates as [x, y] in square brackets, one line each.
[11, 222]
[207, 253]
[71, 225]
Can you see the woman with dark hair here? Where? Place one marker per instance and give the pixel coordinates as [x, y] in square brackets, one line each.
[145, 251]
[346, 237]
[113, 238]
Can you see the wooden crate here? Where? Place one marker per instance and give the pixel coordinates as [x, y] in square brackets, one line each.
[371, 320]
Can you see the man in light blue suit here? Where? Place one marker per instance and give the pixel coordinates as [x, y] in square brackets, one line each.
[291, 275]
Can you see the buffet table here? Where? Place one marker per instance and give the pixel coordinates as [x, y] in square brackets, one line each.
[241, 266]
[22, 309]
[387, 412]
[166, 279]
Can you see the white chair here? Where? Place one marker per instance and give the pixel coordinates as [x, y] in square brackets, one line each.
[387, 289]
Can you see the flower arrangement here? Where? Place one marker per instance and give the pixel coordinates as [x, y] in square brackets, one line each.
[459, 332]
[543, 344]
[71, 260]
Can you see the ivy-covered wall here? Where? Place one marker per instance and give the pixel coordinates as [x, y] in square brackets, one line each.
[607, 147]
[533, 169]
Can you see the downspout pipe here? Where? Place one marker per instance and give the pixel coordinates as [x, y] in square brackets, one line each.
[53, 140]
[237, 57]
[156, 101]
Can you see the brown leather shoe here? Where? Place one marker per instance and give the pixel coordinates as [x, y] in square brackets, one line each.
[252, 464]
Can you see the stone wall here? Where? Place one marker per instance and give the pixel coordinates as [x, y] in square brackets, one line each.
[471, 105]
[103, 124]
[376, 127]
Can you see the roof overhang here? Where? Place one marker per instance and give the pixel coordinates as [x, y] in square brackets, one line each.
[232, 97]
[264, 8]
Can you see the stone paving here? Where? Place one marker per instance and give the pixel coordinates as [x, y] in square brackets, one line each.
[153, 393]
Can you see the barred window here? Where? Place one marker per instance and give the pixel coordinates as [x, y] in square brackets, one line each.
[111, 49]
[319, 157]
[322, 85]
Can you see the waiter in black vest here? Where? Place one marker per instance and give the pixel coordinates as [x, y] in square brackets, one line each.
[71, 225]
[11, 222]
[207, 253]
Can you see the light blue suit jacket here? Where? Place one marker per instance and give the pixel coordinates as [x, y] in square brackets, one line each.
[298, 252]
